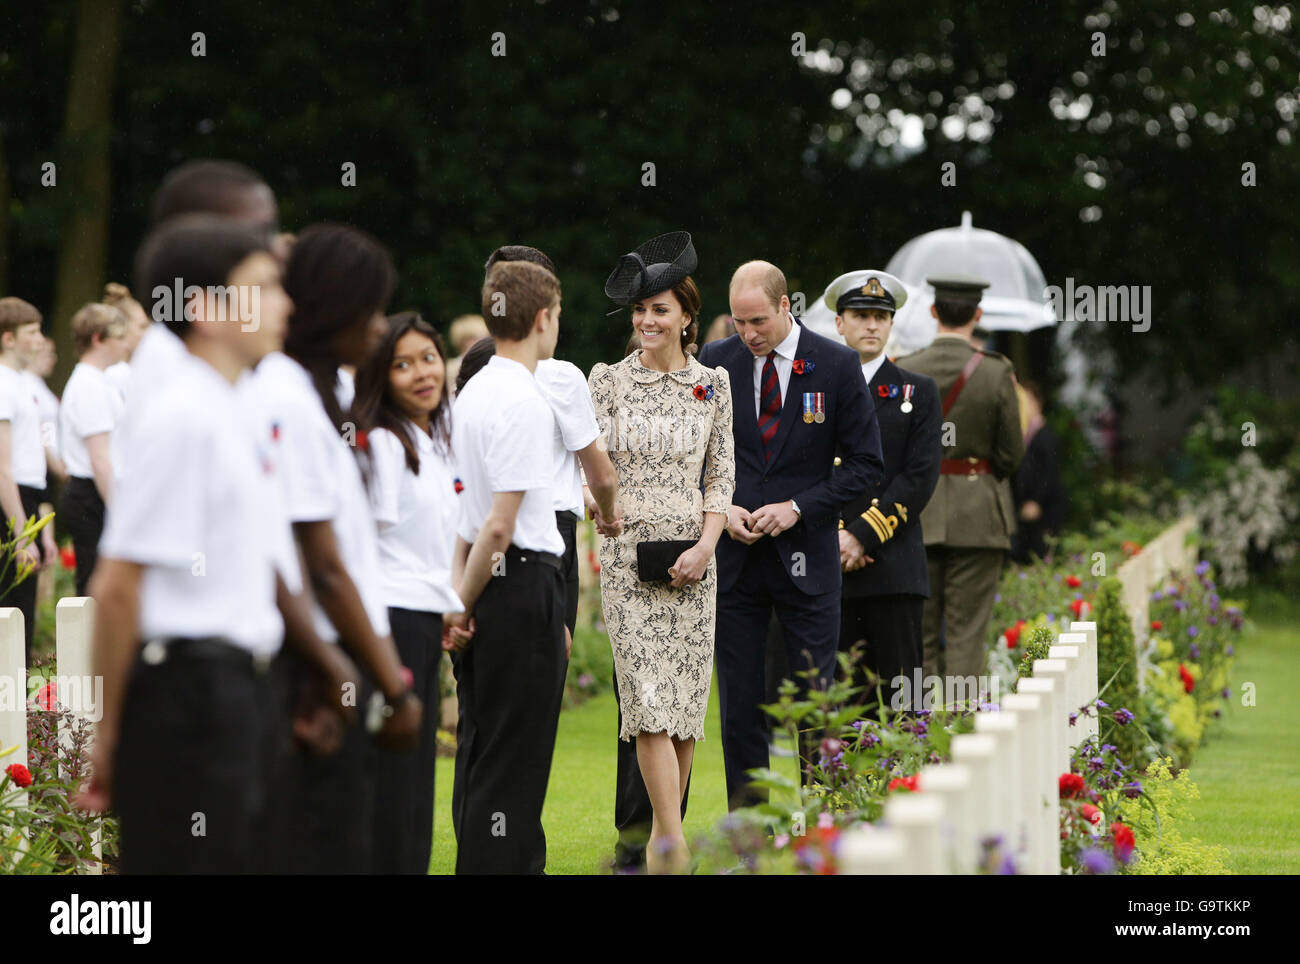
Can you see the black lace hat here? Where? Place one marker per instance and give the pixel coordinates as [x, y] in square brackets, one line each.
[655, 266]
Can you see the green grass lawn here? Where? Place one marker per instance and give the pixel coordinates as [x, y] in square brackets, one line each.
[579, 814]
[1248, 771]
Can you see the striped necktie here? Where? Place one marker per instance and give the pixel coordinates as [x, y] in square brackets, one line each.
[769, 409]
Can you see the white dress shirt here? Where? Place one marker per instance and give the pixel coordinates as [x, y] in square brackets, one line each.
[20, 408]
[192, 509]
[503, 433]
[565, 387]
[784, 362]
[416, 516]
[870, 368]
[90, 406]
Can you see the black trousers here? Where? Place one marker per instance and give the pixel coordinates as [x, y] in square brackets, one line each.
[187, 787]
[23, 596]
[567, 523]
[81, 514]
[810, 625]
[403, 829]
[887, 631]
[329, 799]
[510, 684]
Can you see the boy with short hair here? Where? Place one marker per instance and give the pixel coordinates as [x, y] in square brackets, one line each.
[507, 572]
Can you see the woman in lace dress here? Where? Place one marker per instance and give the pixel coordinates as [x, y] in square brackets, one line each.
[667, 421]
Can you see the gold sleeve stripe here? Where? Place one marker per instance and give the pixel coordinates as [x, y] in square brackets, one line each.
[881, 531]
[883, 521]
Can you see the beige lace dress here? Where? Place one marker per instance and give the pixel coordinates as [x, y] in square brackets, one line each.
[675, 459]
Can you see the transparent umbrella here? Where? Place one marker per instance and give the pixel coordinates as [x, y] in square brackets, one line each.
[1014, 300]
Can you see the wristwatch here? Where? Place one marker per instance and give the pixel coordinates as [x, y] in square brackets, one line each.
[795, 505]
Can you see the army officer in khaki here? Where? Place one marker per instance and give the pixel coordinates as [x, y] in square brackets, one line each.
[968, 522]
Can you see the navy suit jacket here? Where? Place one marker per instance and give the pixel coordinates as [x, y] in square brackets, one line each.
[886, 519]
[802, 466]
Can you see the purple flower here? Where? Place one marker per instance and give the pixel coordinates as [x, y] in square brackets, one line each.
[1229, 650]
[1202, 567]
[1214, 621]
[1233, 611]
[1051, 617]
[1073, 718]
[997, 597]
[1020, 575]
[1180, 605]
[1096, 763]
[872, 738]
[1094, 861]
[1007, 867]
[1214, 601]
[1226, 694]
[1102, 704]
[1194, 651]
[1133, 789]
[1192, 631]
[1123, 716]
[1157, 596]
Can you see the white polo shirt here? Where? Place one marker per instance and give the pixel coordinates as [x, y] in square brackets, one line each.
[47, 404]
[19, 407]
[416, 516]
[565, 387]
[784, 362]
[192, 509]
[503, 436]
[322, 481]
[90, 406]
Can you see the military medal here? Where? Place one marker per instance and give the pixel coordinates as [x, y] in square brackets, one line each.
[808, 407]
[907, 398]
[819, 412]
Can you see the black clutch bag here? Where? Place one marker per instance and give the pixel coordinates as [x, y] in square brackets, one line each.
[654, 558]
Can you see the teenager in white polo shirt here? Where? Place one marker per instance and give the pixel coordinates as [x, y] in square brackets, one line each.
[510, 673]
[187, 619]
[339, 280]
[577, 451]
[22, 457]
[137, 323]
[88, 414]
[403, 403]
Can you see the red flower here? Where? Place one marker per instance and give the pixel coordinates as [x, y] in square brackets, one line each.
[1076, 607]
[882, 391]
[800, 366]
[68, 557]
[21, 776]
[1189, 681]
[592, 561]
[1157, 625]
[903, 783]
[1090, 813]
[1070, 785]
[698, 392]
[1130, 547]
[1013, 634]
[1122, 841]
[46, 696]
[1074, 582]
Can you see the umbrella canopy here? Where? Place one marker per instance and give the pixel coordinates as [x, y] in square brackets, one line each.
[1014, 300]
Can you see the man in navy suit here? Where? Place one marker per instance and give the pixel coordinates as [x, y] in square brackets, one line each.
[886, 577]
[798, 398]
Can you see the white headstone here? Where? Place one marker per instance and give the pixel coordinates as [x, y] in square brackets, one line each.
[918, 818]
[13, 691]
[1011, 824]
[952, 782]
[865, 849]
[1040, 780]
[74, 622]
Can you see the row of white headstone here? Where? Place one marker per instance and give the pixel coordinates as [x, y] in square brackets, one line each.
[1002, 783]
[73, 622]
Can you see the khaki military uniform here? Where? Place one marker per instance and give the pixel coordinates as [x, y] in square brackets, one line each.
[968, 522]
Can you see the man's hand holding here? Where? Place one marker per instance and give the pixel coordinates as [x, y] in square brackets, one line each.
[774, 518]
[738, 525]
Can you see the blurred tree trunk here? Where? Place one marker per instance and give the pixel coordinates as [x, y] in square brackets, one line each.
[4, 221]
[84, 169]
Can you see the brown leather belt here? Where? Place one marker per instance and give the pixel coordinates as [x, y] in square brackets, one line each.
[969, 466]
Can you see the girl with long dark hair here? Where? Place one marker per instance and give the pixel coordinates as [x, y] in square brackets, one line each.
[340, 280]
[403, 405]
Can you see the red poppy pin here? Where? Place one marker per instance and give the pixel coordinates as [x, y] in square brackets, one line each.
[703, 392]
[459, 486]
[882, 391]
[803, 366]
